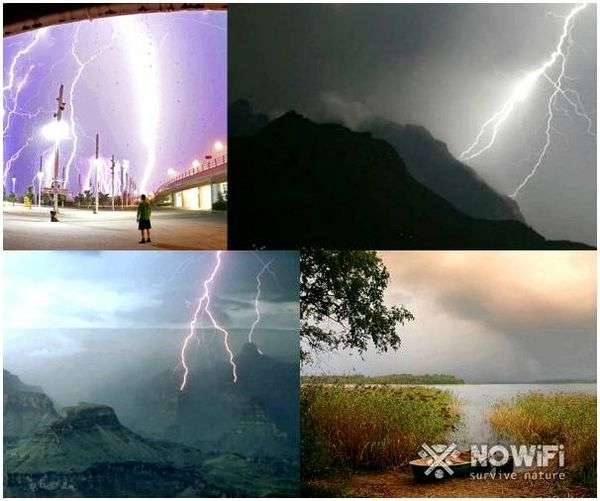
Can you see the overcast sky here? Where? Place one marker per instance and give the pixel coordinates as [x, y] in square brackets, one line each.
[448, 67]
[95, 313]
[487, 316]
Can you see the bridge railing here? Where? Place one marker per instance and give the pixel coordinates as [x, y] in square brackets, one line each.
[206, 165]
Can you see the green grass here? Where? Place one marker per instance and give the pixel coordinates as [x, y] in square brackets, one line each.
[387, 379]
[359, 427]
[560, 418]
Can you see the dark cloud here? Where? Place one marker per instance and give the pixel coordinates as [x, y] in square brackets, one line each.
[488, 316]
[126, 313]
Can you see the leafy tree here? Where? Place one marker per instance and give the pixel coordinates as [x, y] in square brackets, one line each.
[221, 202]
[103, 199]
[341, 302]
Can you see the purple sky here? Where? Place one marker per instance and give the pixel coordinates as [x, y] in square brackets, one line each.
[154, 86]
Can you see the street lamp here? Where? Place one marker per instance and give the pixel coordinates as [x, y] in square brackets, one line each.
[219, 146]
[97, 163]
[171, 173]
[40, 175]
[196, 163]
[55, 131]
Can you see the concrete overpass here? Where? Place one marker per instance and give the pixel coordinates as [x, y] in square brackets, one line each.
[197, 188]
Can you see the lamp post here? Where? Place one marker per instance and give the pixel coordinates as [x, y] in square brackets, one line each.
[112, 174]
[39, 178]
[97, 168]
[55, 131]
[40, 175]
[58, 115]
[122, 185]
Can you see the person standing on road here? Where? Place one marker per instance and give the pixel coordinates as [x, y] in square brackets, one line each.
[143, 218]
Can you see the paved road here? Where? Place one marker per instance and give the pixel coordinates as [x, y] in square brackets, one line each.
[26, 229]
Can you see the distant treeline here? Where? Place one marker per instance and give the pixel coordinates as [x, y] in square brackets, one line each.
[388, 379]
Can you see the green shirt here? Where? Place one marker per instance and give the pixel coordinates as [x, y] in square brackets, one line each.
[143, 212]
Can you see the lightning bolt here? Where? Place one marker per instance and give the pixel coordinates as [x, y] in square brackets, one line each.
[270, 270]
[256, 300]
[144, 66]
[19, 86]
[521, 91]
[20, 53]
[13, 111]
[14, 157]
[81, 65]
[204, 306]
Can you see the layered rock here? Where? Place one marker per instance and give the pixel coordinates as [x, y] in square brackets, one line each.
[27, 409]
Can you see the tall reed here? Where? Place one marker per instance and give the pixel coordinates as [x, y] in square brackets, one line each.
[559, 418]
[370, 426]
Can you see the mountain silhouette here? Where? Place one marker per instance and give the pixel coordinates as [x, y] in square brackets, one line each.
[297, 183]
[431, 164]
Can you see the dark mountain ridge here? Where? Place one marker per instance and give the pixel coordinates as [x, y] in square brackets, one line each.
[88, 452]
[299, 184]
[88, 435]
[431, 164]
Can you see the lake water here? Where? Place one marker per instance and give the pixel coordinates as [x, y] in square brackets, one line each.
[477, 399]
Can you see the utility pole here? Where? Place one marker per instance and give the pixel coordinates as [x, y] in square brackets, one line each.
[97, 167]
[112, 175]
[122, 190]
[39, 176]
[58, 116]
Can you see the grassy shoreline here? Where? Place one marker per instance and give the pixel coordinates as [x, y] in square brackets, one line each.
[356, 439]
[346, 428]
[558, 418]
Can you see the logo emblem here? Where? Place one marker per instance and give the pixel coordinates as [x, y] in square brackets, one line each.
[437, 454]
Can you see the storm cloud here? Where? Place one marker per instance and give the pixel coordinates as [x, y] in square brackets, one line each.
[487, 316]
[100, 315]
